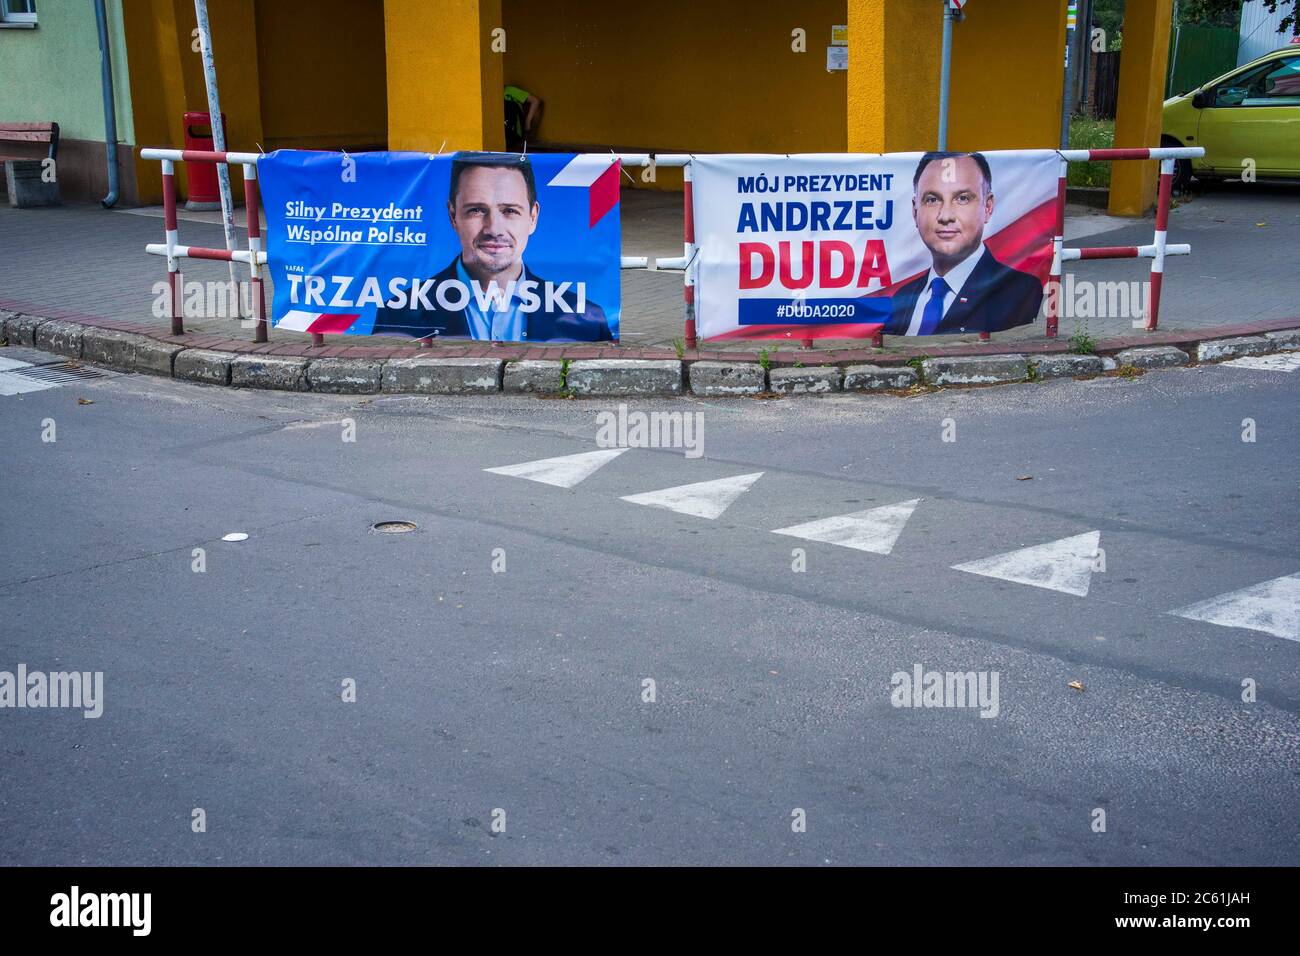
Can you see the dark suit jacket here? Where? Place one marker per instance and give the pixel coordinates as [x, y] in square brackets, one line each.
[540, 326]
[995, 297]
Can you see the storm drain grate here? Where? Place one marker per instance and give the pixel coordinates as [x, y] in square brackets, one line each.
[59, 373]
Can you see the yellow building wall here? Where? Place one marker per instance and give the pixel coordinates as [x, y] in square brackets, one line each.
[321, 67]
[1008, 72]
[723, 77]
[893, 77]
[1005, 89]
[679, 75]
[1140, 104]
[291, 73]
[167, 79]
[444, 80]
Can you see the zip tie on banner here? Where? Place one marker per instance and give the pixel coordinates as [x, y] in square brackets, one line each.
[630, 177]
[440, 149]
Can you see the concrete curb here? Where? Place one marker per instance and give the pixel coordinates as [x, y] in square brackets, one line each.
[202, 365]
[278, 367]
[805, 381]
[127, 351]
[715, 379]
[1161, 356]
[624, 377]
[975, 370]
[443, 376]
[1233, 348]
[539, 378]
[1286, 339]
[61, 338]
[270, 371]
[870, 378]
[1066, 366]
[340, 376]
[21, 329]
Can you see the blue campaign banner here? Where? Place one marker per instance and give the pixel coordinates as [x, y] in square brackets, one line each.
[490, 246]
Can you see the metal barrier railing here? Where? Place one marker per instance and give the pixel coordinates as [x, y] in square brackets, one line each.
[1159, 248]
[255, 255]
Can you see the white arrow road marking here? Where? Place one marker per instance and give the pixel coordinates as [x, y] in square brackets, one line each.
[1064, 565]
[1272, 607]
[874, 530]
[1284, 362]
[563, 472]
[704, 499]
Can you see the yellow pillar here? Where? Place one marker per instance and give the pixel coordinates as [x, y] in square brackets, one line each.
[1142, 66]
[166, 76]
[1008, 64]
[445, 79]
[893, 82]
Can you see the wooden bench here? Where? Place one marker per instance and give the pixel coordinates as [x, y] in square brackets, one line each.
[26, 177]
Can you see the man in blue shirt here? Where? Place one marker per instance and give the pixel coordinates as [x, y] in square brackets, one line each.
[966, 289]
[488, 292]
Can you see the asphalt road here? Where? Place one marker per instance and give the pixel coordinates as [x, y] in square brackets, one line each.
[522, 690]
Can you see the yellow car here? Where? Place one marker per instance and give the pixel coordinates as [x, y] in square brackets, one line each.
[1247, 118]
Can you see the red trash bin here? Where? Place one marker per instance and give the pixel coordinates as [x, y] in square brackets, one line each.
[202, 177]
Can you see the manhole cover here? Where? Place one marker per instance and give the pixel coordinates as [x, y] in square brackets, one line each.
[393, 527]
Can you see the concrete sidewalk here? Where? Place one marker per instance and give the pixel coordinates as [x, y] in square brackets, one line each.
[84, 261]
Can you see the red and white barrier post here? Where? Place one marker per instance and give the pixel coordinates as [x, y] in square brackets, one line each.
[1161, 241]
[1160, 246]
[1058, 243]
[688, 253]
[255, 256]
[175, 282]
[252, 211]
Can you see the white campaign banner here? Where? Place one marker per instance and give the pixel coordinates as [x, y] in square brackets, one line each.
[839, 245]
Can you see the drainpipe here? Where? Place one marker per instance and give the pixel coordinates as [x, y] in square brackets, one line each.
[110, 116]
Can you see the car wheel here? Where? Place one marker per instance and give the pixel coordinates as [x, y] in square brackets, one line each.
[1182, 167]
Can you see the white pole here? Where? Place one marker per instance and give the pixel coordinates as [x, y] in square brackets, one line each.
[1067, 81]
[219, 142]
[1173, 58]
[945, 71]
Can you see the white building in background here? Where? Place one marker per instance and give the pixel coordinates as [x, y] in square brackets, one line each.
[1259, 31]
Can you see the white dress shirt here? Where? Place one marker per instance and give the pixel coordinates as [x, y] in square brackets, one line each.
[956, 278]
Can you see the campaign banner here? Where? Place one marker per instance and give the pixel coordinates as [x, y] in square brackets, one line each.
[493, 246]
[844, 246]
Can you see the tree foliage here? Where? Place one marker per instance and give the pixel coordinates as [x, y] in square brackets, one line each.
[1227, 13]
[1109, 14]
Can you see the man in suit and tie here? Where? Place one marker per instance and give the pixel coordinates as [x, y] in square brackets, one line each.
[488, 292]
[966, 289]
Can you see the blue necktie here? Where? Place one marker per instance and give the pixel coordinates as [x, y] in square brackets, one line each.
[932, 315]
